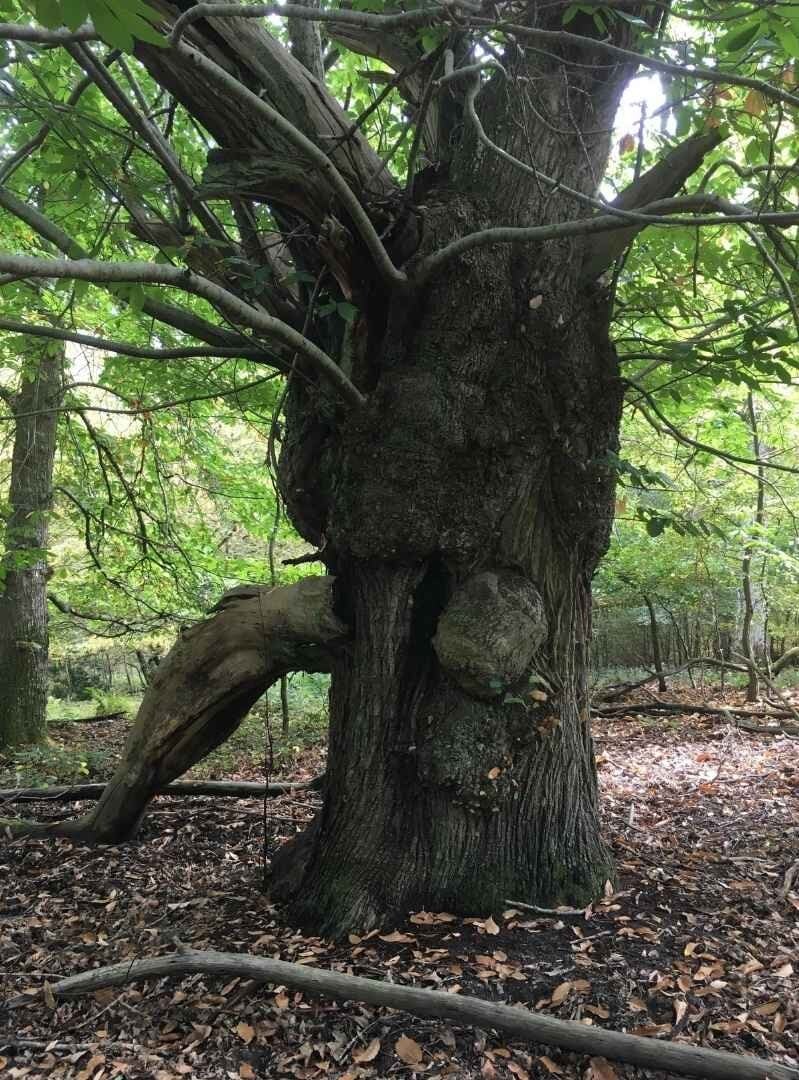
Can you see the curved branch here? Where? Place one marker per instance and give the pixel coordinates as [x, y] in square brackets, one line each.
[472, 1012]
[156, 274]
[179, 318]
[139, 352]
[315, 156]
[364, 20]
[202, 691]
[655, 214]
[694, 444]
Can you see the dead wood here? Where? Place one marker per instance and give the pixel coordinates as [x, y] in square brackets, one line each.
[743, 718]
[99, 718]
[230, 789]
[201, 692]
[616, 690]
[684, 1059]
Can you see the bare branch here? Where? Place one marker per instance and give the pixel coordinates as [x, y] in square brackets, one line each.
[39, 36]
[468, 1011]
[139, 352]
[344, 17]
[186, 280]
[655, 214]
[177, 317]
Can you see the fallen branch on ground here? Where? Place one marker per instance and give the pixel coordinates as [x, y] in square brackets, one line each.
[743, 718]
[108, 716]
[568, 1034]
[233, 789]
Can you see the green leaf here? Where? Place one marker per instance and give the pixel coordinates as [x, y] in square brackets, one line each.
[74, 13]
[48, 12]
[740, 37]
[347, 311]
[112, 31]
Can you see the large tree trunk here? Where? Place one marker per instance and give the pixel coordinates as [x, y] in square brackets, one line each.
[471, 504]
[23, 570]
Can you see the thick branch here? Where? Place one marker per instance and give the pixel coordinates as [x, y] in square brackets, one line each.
[532, 1027]
[661, 181]
[256, 106]
[202, 691]
[153, 273]
[253, 57]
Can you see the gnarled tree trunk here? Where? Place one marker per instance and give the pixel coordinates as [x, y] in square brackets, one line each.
[466, 509]
[24, 638]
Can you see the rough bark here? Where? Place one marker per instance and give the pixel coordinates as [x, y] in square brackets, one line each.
[202, 691]
[469, 508]
[24, 639]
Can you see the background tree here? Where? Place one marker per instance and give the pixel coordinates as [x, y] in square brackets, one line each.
[24, 638]
[436, 278]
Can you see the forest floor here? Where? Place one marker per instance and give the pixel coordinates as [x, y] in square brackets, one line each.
[696, 946]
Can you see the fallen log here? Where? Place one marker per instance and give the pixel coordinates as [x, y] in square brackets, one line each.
[96, 719]
[682, 1058]
[231, 789]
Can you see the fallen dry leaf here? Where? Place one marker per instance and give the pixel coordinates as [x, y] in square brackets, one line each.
[550, 1065]
[246, 1072]
[245, 1032]
[560, 993]
[601, 1069]
[369, 1053]
[408, 1050]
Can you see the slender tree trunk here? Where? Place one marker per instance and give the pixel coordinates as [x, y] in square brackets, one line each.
[23, 570]
[753, 686]
[654, 633]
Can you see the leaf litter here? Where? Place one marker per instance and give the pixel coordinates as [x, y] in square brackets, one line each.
[698, 943]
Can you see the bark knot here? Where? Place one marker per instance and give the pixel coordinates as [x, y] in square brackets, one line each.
[490, 632]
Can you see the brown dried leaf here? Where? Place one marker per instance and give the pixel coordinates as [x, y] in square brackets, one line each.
[398, 938]
[601, 1069]
[246, 1072]
[369, 1053]
[490, 926]
[550, 1065]
[408, 1050]
[560, 993]
[245, 1032]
